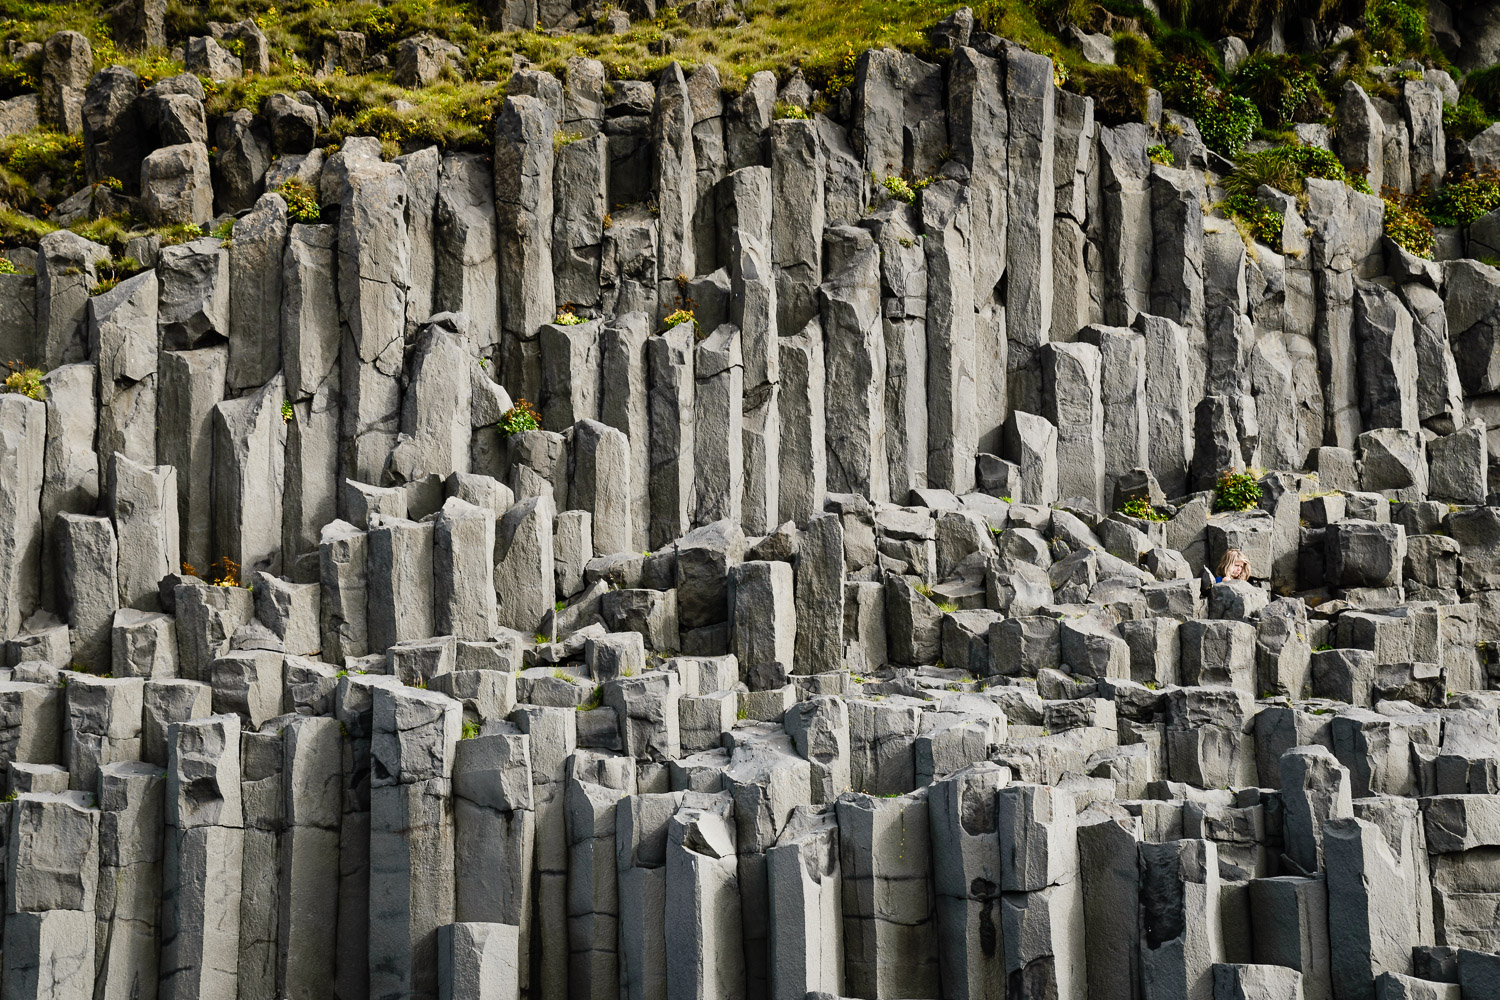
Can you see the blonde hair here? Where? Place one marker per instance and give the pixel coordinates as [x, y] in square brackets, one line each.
[1230, 557]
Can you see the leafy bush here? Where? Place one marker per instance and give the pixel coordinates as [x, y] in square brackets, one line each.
[900, 189]
[1466, 119]
[521, 417]
[7, 266]
[1236, 491]
[301, 201]
[26, 381]
[1263, 221]
[30, 156]
[1159, 153]
[1119, 93]
[1468, 194]
[470, 730]
[287, 413]
[1226, 121]
[1397, 27]
[679, 316]
[567, 317]
[1281, 88]
[1140, 508]
[1287, 168]
[1408, 225]
[784, 109]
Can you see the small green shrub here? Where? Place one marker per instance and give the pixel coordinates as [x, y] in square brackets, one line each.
[470, 730]
[1263, 221]
[1466, 119]
[1408, 225]
[567, 317]
[25, 381]
[1287, 168]
[1225, 120]
[1468, 195]
[898, 188]
[946, 607]
[520, 417]
[785, 110]
[1140, 508]
[1159, 153]
[287, 413]
[1398, 27]
[301, 201]
[1281, 88]
[223, 232]
[1236, 491]
[7, 266]
[679, 316]
[561, 139]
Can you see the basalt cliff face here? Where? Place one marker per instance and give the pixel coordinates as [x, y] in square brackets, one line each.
[694, 552]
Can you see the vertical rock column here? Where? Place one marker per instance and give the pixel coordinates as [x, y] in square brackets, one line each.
[70, 467]
[192, 386]
[962, 811]
[524, 162]
[51, 878]
[953, 429]
[143, 503]
[553, 736]
[495, 834]
[595, 787]
[308, 893]
[670, 404]
[122, 325]
[23, 425]
[261, 798]
[374, 258]
[704, 954]
[1042, 901]
[205, 840]
[674, 180]
[624, 405]
[803, 878]
[1030, 100]
[641, 857]
[1180, 936]
[310, 357]
[411, 838]
[890, 929]
[132, 805]
[854, 365]
[249, 455]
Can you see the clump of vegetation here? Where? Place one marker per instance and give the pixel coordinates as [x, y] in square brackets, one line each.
[7, 266]
[41, 166]
[1466, 119]
[287, 414]
[1287, 168]
[1282, 89]
[520, 417]
[25, 381]
[784, 109]
[1408, 225]
[470, 730]
[224, 232]
[1468, 195]
[225, 572]
[567, 317]
[561, 138]
[679, 316]
[113, 271]
[1262, 221]
[1236, 491]
[900, 189]
[301, 201]
[1225, 120]
[1159, 153]
[1140, 508]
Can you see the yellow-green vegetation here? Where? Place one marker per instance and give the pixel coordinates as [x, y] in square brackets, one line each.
[1467, 195]
[1159, 153]
[113, 271]
[287, 413]
[784, 110]
[25, 381]
[520, 417]
[1408, 225]
[679, 316]
[1260, 221]
[301, 201]
[40, 167]
[1287, 168]
[900, 189]
[567, 317]
[470, 730]
[7, 266]
[1236, 491]
[1140, 508]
